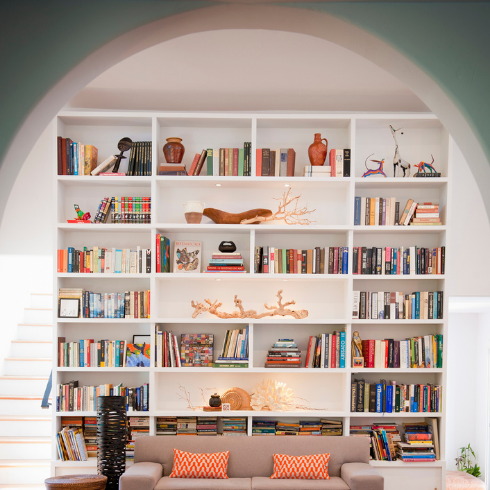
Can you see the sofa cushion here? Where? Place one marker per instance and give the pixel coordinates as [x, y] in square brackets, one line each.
[200, 465]
[262, 483]
[167, 483]
[309, 467]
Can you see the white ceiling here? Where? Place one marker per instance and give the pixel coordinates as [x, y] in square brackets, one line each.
[247, 70]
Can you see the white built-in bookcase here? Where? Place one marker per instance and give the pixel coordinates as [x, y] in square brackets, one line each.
[328, 298]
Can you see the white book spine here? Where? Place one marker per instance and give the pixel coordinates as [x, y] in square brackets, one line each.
[376, 212]
[216, 162]
[381, 304]
[413, 260]
[355, 304]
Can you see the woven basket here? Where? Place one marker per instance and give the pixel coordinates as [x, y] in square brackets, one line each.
[237, 398]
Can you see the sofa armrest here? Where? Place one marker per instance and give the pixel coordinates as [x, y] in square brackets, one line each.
[361, 476]
[141, 476]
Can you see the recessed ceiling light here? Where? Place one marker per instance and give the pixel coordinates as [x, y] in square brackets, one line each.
[218, 279]
[287, 185]
[218, 185]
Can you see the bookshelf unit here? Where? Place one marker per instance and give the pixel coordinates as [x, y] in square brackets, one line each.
[328, 298]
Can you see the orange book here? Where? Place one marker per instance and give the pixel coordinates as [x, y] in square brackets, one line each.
[258, 162]
[332, 162]
[372, 209]
[59, 255]
[194, 163]
[91, 155]
[65, 261]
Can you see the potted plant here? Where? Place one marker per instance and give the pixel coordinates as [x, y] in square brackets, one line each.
[465, 460]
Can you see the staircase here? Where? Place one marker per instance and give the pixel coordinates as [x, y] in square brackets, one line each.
[25, 428]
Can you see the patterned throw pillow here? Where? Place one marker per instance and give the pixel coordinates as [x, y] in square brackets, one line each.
[195, 465]
[313, 467]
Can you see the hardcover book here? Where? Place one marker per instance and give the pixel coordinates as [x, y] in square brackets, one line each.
[187, 256]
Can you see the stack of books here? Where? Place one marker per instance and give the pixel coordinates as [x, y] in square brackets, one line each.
[263, 427]
[331, 427]
[280, 162]
[171, 169]
[284, 353]
[427, 214]
[310, 428]
[138, 427]
[166, 426]
[287, 429]
[90, 435]
[226, 262]
[235, 349]
[187, 426]
[419, 443]
[207, 426]
[234, 426]
[317, 171]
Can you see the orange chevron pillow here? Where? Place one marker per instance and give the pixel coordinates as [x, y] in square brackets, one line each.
[312, 467]
[196, 465]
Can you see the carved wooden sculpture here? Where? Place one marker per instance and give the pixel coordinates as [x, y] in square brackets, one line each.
[279, 310]
[224, 218]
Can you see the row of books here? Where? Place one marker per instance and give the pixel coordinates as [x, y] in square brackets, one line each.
[338, 165]
[379, 211]
[326, 351]
[125, 210]
[167, 349]
[75, 158]
[421, 442]
[382, 438]
[70, 445]
[130, 304]
[234, 426]
[284, 354]
[321, 427]
[162, 253]
[398, 260]
[72, 398]
[137, 427]
[390, 397]
[226, 262]
[104, 260]
[327, 260]
[415, 352]
[275, 163]
[103, 353]
[235, 349]
[88, 426]
[382, 305]
[139, 163]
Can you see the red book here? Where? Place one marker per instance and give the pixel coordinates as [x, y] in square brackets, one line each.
[385, 344]
[291, 162]
[308, 352]
[60, 158]
[235, 162]
[333, 351]
[336, 260]
[359, 261]
[368, 353]
[194, 163]
[165, 364]
[418, 437]
[63, 156]
[159, 264]
[332, 161]
[258, 162]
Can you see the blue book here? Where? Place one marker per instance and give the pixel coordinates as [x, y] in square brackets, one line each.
[395, 261]
[145, 397]
[379, 398]
[417, 305]
[138, 397]
[345, 261]
[75, 158]
[434, 308]
[81, 352]
[405, 262]
[387, 446]
[118, 348]
[357, 211]
[389, 398]
[342, 350]
[71, 250]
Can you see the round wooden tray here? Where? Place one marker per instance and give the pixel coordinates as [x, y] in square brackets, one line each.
[72, 482]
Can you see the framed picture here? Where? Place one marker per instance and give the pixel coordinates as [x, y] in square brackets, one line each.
[225, 407]
[69, 308]
[141, 339]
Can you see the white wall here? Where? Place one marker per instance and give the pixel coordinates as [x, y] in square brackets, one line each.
[26, 238]
[467, 391]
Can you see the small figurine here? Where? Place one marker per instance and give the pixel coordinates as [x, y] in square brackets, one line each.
[376, 171]
[81, 216]
[397, 159]
[423, 166]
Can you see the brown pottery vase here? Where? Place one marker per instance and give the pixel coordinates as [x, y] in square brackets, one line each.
[174, 150]
[317, 151]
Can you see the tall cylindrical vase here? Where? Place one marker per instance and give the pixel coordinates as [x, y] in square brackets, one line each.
[111, 438]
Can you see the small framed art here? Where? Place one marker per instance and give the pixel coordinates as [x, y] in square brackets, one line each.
[69, 308]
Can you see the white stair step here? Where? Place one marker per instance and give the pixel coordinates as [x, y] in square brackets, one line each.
[22, 405]
[34, 331]
[24, 472]
[41, 300]
[25, 448]
[31, 348]
[27, 366]
[39, 315]
[21, 426]
[22, 385]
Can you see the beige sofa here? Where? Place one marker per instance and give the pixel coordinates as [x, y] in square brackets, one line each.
[251, 463]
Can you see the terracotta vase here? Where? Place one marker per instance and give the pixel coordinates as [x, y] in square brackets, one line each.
[317, 151]
[174, 150]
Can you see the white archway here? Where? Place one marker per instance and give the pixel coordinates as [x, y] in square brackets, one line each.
[269, 17]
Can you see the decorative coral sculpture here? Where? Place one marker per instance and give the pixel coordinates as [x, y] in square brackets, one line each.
[274, 396]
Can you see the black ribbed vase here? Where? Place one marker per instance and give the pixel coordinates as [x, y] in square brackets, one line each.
[111, 438]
